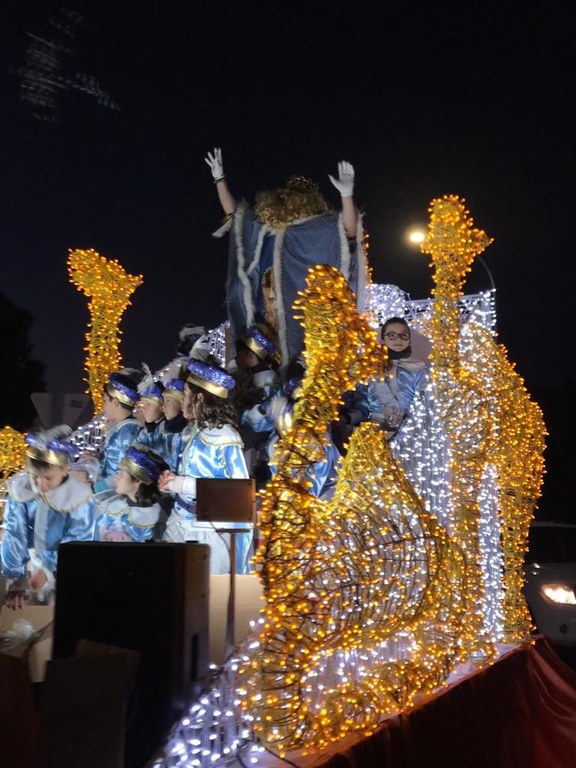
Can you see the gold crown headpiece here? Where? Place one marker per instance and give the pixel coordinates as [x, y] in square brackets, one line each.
[301, 184]
[50, 449]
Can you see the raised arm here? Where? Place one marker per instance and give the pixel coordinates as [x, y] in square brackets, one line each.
[345, 185]
[214, 161]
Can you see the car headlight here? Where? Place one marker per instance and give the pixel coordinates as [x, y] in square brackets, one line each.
[559, 593]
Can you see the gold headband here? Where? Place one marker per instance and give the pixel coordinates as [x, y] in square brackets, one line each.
[215, 389]
[47, 456]
[253, 345]
[136, 471]
[120, 396]
[152, 398]
[173, 394]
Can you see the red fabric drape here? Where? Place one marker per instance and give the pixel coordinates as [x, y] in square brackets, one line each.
[517, 713]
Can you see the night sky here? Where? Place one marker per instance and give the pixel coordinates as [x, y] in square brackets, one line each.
[474, 99]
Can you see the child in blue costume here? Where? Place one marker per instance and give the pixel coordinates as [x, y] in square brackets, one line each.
[256, 383]
[132, 511]
[213, 448]
[388, 397]
[46, 507]
[120, 398]
[322, 474]
[151, 412]
[174, 423]
[167, 439]
[256, 378]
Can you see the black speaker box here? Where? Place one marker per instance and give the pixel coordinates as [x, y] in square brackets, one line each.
[150, 598]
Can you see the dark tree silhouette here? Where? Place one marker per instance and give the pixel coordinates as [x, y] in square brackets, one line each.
[20, 373]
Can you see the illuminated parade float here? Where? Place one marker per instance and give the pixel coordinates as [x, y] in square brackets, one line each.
[414, 567]
[381, 604]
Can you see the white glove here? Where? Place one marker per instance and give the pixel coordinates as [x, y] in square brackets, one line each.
[277, 407]
[345, 181]
[214, 160]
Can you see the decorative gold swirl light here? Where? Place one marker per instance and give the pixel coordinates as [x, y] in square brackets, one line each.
[108, 287]
[453, 243]
[490, 420]
[368, 601]
[364, 592]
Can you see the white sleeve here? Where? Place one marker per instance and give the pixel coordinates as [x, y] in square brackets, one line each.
[182, 484]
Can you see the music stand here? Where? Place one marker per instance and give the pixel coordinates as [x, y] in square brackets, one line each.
[229, 500]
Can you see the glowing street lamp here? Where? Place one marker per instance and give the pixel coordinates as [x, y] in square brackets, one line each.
[416, 235]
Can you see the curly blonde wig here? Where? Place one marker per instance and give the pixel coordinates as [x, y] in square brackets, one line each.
[300, 199]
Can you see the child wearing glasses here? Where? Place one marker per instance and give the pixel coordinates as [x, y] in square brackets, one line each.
[388, 396]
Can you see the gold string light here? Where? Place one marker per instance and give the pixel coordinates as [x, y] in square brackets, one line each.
[12, 455]
[453, 243]
[370, 598]
[108, 287]
[364, 594]
[516, 451]
[492, 423]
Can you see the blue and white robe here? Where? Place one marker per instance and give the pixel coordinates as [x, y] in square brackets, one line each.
[35, 524]
[166, 439]
[290, 252]
[322, 474]
[119, 438]
[388, 397]
[218, 453]
[119, 519]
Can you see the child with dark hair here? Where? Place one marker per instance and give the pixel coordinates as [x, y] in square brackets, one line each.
[256, 383]
[389, 396]
[212, 448]
[255, 367]
[46, 507]
[133, 512]
[120, 398]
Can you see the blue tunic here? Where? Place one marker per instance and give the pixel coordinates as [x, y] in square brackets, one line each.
[119, 438]
[35, 524]
[119, 519]
[322, 474]
[217, 453]
[256, 423]
[150, 435]
[167, 440]
[389, 396]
